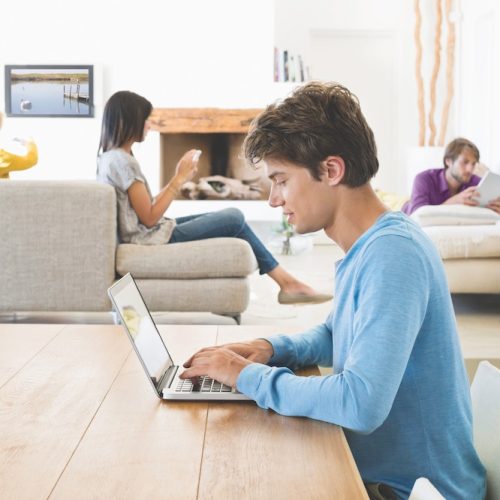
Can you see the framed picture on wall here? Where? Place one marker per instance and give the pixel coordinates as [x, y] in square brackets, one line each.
[49, 90]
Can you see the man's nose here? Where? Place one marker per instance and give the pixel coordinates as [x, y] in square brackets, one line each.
[469, 168]
[274, 199]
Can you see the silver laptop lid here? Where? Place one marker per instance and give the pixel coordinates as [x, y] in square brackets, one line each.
[143, 333]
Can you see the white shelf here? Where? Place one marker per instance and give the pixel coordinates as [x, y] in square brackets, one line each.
[252, 209]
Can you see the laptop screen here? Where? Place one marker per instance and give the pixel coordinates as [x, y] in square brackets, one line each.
[136, 318]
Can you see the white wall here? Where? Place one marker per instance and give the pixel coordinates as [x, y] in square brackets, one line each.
[372, 52]
[201, 53]
[479, 97]
[192, 53]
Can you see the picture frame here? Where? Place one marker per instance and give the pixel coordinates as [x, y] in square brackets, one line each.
[49, 90]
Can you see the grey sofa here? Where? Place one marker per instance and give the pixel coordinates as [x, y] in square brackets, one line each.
[59, 252]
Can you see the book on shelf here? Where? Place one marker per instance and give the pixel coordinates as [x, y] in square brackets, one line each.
[277, 73]
[301, 68]
[289, 67]
[286, 72]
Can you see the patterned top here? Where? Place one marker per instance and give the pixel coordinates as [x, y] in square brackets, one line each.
[120, 169]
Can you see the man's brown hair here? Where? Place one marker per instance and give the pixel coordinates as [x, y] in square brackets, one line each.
[455, 148]
[318, 120]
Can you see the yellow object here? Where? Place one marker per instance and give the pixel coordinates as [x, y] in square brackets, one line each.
[393, 201]
[10, 162]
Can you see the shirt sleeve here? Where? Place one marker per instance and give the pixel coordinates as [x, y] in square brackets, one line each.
[361, 395]
[313, 347]
[123, 173]
[421, 194]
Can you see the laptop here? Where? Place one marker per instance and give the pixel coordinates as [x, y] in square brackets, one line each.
[153, 354]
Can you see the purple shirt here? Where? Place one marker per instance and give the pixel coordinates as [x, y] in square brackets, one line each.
[430, 188]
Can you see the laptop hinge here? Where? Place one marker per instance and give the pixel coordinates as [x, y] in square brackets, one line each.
[167, 378]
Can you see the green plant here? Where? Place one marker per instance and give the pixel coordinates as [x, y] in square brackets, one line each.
[286, 230]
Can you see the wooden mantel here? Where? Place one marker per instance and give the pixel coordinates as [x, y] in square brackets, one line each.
[202, 120]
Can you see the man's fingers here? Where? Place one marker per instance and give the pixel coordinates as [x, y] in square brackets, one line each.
[189, 362]
[193, 373]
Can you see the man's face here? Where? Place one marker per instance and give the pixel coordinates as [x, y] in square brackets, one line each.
[306, 202]
[461, 169]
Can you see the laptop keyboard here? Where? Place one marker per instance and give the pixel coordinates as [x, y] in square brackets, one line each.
[206, 385]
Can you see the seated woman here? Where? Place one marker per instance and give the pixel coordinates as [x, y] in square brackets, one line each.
[140, 216]
[10, 162]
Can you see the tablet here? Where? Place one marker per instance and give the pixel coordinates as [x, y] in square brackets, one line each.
[488, 188]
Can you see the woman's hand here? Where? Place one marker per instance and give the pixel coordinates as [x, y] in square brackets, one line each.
[187, 167]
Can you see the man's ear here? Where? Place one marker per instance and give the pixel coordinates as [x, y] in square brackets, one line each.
[333, 168]
[448, 162]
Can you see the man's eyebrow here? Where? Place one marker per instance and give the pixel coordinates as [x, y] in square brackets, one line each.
[275, 174]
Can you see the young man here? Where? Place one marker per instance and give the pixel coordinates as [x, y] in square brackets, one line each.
[399, 387]
[453, 184]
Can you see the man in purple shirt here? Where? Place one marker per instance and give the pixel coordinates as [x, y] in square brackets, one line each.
[453, 184]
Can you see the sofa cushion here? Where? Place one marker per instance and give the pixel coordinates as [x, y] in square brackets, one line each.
[212, 258]
[459, 242]
[454, 215]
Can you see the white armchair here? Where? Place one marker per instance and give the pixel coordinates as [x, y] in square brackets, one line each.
[423, 489]
[485, 393]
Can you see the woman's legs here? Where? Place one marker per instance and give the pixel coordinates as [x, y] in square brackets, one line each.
[230, 222]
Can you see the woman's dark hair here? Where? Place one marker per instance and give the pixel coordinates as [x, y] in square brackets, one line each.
[124, 117]
[318, 120]
[455, 148]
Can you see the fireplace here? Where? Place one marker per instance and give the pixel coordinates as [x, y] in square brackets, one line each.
[219, 133]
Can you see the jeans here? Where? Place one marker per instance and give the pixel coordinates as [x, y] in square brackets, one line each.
[229, 222]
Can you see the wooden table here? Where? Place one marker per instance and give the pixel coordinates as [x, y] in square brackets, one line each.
[79, 419]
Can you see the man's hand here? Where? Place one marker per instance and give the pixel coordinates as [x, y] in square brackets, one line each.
[218, 363]
[257, 350]
[466, 197]
[224, 363]
[494, 205]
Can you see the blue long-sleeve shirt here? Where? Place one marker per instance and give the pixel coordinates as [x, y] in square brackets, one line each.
[399, 387]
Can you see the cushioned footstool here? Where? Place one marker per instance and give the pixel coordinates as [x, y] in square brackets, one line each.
[207, 275]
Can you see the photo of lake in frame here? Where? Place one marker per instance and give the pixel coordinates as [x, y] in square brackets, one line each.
[65, 91]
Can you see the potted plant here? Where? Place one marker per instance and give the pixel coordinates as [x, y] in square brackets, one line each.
[287, 241]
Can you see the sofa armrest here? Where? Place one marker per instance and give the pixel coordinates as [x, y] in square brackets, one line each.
[57, 250]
